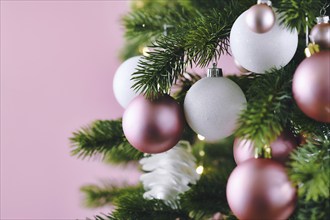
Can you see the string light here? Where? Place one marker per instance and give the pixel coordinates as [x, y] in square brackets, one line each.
[145, 51]
[200, 137]
[200, 169]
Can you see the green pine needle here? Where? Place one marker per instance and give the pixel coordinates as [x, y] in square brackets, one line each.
[310, 168]
[98, 196]
[106, 139]
[269, 99]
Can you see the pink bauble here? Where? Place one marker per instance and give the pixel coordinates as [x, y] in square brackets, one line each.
[260, 189]
[260, 18]
[320, 34]
[153, 126]
[243, 150]
[311, 86]
[281, 148]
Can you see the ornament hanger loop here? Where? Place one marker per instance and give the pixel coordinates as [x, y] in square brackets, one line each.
[166, 27]
[323, 10]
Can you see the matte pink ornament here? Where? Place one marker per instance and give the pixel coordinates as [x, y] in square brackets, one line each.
[260, 189]
[311, 86]
[281, 148]
[260, 18]
[153, 126]
[320, 33]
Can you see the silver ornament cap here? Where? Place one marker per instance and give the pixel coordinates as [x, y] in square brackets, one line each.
[269, 3]
[214, 71]
[322, 19]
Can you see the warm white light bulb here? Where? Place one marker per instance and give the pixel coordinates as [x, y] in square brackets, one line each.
[200, 137]
[145, 51]
[199, 169]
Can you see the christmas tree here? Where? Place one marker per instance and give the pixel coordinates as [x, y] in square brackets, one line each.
[253, 146]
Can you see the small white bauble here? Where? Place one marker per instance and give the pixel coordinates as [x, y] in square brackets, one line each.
[260, 52]
[122, 83]
[212, 106]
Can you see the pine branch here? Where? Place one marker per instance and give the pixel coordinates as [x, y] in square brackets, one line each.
[268, 108]
[98, 196]
[310, 168]
[145, 26]
[306, 125]
[134, 207]
[312, 210]
[105, 139]
[157, 72]
[183, 85]
[207, 197]
[294, 12]
[199, 41]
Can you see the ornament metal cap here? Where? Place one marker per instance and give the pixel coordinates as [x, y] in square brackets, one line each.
[322, 19]
[311, 49]
[269, 3]
[214, 71]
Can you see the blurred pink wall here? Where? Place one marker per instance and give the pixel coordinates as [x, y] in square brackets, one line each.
[57, 63]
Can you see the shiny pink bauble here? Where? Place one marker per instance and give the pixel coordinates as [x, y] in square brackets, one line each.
[281, 148]
[320, 34]
[260, 18]
[153, 126]
[311, 86]
[259, 189]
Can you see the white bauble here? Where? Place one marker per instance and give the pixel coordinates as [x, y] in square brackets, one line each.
[260, 52]
[122, 83]
[212, 106]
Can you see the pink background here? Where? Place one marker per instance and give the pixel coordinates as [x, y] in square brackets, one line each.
[57, 63]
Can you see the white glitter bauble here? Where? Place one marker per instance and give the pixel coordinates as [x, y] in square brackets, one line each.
[212, 106]
[260, 52]
[122, 82]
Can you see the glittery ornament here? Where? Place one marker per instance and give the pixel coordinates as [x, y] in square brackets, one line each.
[212, 106]
[153, 126]
[122, 83]
[261, 52]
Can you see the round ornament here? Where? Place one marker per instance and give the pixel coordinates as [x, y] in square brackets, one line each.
[260, 18]
[320, 33]
[153, 126]
[260, 189]
[261, 52]
[122, 83]
[281, 148]
[212, 106]
[311, 86]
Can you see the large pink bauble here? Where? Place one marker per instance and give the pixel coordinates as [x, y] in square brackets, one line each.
[260, 189]
[153, 126]
[281, 148]
[311, 86]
